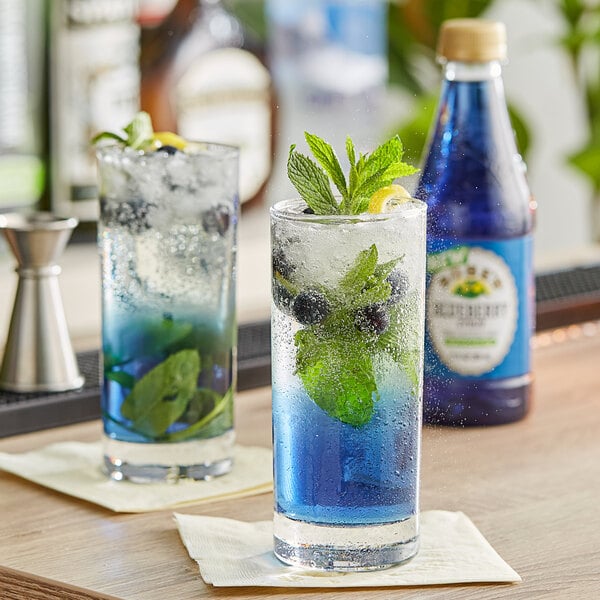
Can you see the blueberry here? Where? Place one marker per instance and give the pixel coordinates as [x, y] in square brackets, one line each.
[399, 282]
[131, 214]
[282, 297]
[168, 150]
[216, 220]
[310, 307]
[308, 211]
[282, 265]
[372, 319]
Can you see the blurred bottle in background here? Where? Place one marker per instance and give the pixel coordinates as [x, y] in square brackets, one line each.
[95, 81]
[329, 63]
[152, 13]
[200, 79]
[22, 103]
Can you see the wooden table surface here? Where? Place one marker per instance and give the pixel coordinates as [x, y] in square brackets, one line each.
[532, 488]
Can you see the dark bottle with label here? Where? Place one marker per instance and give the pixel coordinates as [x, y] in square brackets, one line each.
[203, 79]
[94, 86]
[480, 220]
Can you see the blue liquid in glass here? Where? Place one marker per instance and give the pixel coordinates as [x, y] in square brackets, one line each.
[474, 184]
[134, 345]
[330, 472]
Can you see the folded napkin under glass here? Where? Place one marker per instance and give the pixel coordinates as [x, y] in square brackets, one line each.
[75, 468]
[236, 553]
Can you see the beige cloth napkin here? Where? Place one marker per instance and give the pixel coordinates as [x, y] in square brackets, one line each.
[235, 553]
[74, 468]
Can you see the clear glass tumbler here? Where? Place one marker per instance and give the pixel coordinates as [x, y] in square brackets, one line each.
[347, 345]
[167, 236]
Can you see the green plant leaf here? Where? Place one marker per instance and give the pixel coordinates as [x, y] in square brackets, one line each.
[521, 130]
[360, 272]
[327, 158]
[367, 175]
[219, 419]
[334, 359]
[587, 161]
[139, 131]
[160, 336]
[350, 151]
[378, 170]
[109, 135]
[139, 134]
[312, 183]
[338, 375]
[161, 396]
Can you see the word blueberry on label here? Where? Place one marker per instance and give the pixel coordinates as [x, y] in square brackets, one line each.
[472, 309]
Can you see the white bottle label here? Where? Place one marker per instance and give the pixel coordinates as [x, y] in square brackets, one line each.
[224, 97]
[472, 309]
[95, 88]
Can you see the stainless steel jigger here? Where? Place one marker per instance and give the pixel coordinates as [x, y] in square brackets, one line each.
[38, 355]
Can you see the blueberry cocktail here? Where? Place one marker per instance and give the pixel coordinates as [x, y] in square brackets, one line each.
[347, 339]
[167, 235]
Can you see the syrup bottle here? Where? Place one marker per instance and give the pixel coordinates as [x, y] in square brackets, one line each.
[480, 277]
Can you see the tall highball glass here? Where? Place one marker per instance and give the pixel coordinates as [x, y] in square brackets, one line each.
[167, 236]
[347, 344]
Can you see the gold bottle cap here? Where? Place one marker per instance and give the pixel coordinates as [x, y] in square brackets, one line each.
[472, 40]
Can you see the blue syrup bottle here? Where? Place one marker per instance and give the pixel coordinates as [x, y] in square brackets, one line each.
[480, 220]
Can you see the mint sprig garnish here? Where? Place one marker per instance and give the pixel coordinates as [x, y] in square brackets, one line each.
[336, 361]
[137, 135]
[349, 329]
[368, 173]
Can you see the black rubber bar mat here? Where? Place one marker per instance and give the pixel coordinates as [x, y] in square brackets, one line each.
[21, 413]
[562, 298]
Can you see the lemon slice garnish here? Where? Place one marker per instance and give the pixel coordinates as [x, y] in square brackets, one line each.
[385, 199]
[167, 138]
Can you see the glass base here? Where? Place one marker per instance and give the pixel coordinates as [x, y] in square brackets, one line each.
[336, 548]
[168, 462]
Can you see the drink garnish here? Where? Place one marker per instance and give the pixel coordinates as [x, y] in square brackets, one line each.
[368, 174]
[140, 135]
[337, 347]
[347, 329]
[168, 138]
[387, 198]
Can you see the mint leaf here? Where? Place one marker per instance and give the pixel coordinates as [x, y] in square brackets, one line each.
[382, 158]
[137, 135]
[373, 293]
[378, 170]
[160, 397]
[367, 174]
[218, 420]
[139, 131]
[350, 151]
[384, 269]
[334, 359]
[312, 183]
[365, 282]
[109, 135]
[362, 269]
[338, 375]
[325, 154]
[160, 336]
